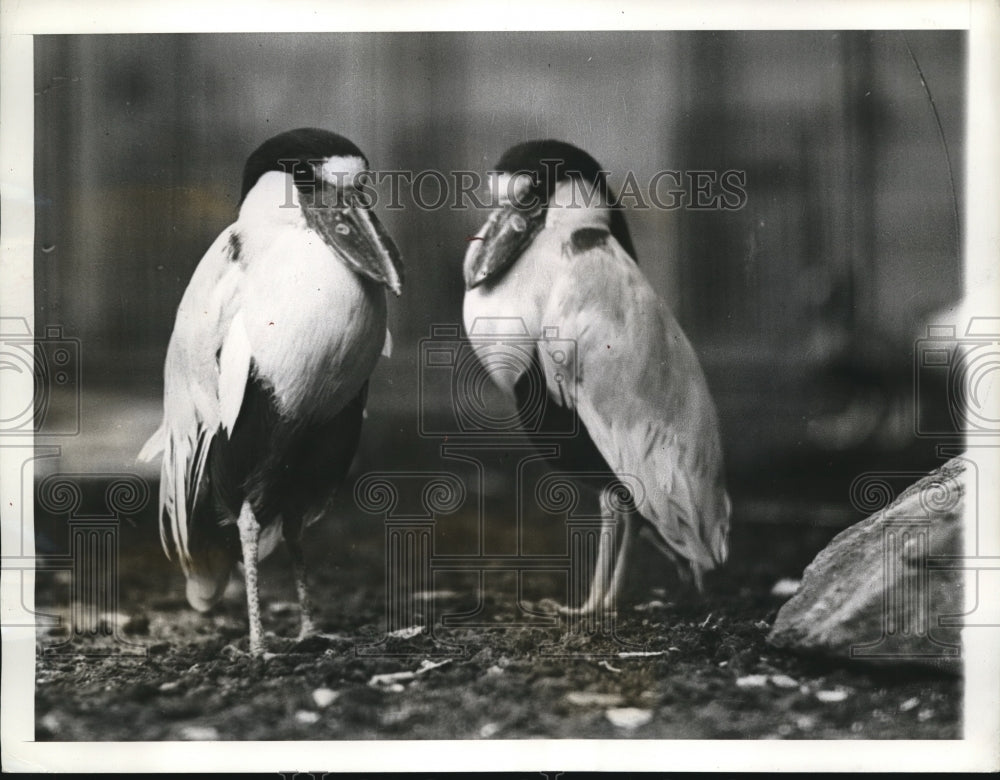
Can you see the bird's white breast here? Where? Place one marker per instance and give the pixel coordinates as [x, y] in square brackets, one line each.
[315, 327]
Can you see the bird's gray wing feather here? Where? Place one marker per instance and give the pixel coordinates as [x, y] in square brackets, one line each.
[640, 391]
[204, 343]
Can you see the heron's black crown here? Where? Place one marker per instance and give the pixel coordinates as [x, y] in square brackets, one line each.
[304, 146]
[550, 162]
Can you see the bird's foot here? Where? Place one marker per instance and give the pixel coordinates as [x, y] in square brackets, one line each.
[315, 641]
[258, 652]
[588, 609]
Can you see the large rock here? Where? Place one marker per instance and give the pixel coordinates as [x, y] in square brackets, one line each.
[878, 592]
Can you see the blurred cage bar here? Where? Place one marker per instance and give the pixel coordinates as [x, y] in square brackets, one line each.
[852, 144]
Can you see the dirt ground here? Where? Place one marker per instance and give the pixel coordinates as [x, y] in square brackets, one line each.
[677, 667]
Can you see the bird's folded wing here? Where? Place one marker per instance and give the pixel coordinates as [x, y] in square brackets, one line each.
[207, 356]
[640, 392]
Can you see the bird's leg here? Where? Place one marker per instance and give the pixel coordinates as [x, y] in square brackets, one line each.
[601, 584]
[307, 626]
[627, 528]
[249, 537]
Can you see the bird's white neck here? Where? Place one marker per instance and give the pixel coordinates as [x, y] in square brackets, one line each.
[575, 205]
[274, 198]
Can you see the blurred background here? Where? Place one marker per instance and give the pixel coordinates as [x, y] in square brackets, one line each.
[804, 305]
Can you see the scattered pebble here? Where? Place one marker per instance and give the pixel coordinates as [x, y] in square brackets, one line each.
[654, 604]
[673, 649]
[831, 697]
[723, 664]
[324, 697]
[752, 681]
[909, 704]
[167, 687]
[407, 633]
[783, 681]
[926, 714]
[393, 678]
[628, 717]
[282, 607]
[857, 727]
[494, 670]
[488, 730]
[199, 733]
[805, 722]
[763, 625]
[51, 722]
[785, 729]
[394, 688]
[307, 716]
[426, 666]
[786, 587]
[594, 699]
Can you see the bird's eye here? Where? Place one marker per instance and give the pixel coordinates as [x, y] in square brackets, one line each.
[342, 229]
[518, 223]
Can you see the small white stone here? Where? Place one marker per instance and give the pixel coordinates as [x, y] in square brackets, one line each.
[909, 704]
[752, 681]
[307, 716]
[324, 697]
[391, 679]
[407, 633]
[426, 665]
[594, 699]
[783, 681]
[199, 733]
[488, 730]
[51, 722]
[167, 687]
[831, 697]
[786, 587]
[628, 717]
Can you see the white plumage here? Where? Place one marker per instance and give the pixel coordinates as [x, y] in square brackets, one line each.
[634, 380]
[267, 368]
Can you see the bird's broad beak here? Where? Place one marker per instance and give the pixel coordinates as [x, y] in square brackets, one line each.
[359, 240]
[508, 232]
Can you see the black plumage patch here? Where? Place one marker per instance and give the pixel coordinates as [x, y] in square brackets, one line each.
[585, 239]
[235, 247]
[549, 162]
[295, 152]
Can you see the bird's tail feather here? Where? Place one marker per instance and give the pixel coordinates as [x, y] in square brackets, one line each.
[698, 529]
[209, 576]
[155, 445]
